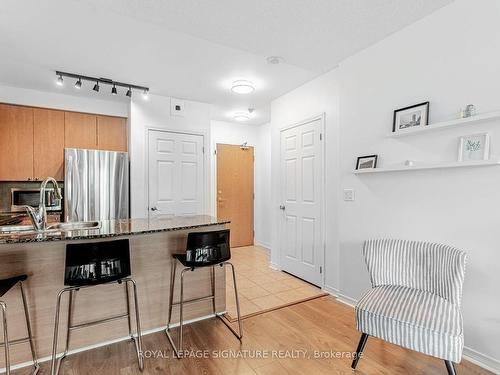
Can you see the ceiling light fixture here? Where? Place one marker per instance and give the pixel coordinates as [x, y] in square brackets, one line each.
[242, 87]
[241, 116]
[145, 94]
[60, 80]
[106, 81]
[274, 60]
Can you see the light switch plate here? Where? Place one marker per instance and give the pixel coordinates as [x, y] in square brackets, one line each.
[349, 195]
[177, 107]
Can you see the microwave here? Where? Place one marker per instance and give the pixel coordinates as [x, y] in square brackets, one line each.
[20, 197]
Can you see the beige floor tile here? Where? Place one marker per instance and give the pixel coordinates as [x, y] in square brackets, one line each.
[268, 302]
[290, 296]
[276, 287]
[294, 282]
[252, 293]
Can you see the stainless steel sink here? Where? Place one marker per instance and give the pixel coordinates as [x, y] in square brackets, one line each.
[16, 228]
[58, 227]
[78, 225]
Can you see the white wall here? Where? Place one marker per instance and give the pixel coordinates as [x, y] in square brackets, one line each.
[45, 99]
[258, 137]
[450, 58]
[154, 113]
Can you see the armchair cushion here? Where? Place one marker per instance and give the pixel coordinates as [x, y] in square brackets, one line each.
[412, 318]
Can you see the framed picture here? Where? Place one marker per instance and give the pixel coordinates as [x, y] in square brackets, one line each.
[474, 147]
[410, 117]
[367, 162]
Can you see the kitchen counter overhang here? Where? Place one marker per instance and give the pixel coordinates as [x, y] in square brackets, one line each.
[152, 243]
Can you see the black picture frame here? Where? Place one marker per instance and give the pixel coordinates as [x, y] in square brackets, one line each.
[360, 158]
[423, 104]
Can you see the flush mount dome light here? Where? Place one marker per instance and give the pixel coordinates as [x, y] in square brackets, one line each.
[242, 87]
[241, 116]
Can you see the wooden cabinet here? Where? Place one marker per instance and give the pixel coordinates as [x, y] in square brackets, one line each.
[111, 133]
[48, 144]
[16, 143]
[32, 140]
[80, 130]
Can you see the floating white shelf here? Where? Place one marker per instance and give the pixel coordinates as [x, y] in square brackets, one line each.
[447, 124]
[456, 164]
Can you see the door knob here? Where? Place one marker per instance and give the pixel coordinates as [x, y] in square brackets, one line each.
[282, 207]
[154, 209]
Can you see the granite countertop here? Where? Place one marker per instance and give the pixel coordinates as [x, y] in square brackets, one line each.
[116, 228]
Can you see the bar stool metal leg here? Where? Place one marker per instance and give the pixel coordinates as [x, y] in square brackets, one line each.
[212, 274]
[239, 334]
[3, 306]
[36, 366]
[53, 368]
[138, 340]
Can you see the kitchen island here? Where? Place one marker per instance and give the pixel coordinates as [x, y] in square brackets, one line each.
[152, 242]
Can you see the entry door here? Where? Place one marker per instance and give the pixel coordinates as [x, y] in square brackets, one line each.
[301, 249]
[235, 191]
[175, 173]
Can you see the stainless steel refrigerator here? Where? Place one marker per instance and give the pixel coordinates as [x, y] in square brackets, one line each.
[96, 185]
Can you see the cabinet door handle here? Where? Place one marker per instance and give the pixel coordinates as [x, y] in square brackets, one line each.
[154, 209]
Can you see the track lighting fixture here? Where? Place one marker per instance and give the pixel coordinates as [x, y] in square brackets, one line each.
[79, 78]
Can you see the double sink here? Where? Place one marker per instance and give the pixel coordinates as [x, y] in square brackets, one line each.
[57, 227]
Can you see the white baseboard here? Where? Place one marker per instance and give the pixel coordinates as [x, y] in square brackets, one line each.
[101, 344]
[482, 360]
[263, 244]
[471, 355]
[274, 266]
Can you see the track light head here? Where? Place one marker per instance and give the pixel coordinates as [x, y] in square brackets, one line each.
[113, 90]
[96, 87]
[60, 80]
[129, 92]
[78, 83]
[145, 94]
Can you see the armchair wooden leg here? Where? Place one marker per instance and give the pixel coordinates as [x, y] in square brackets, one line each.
[450, 367]
[359, 350]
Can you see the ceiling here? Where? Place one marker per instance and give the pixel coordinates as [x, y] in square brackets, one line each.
[193, 49]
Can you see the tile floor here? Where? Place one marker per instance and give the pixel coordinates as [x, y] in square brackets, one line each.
[261, 288]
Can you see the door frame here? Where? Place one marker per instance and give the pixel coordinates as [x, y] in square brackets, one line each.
[206, 175]
[322, 118]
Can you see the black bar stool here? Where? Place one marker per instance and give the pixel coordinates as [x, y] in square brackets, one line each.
[89, 265]
[204, 249]
[5, 286]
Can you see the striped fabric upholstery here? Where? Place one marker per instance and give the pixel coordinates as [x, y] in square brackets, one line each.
[415, 297]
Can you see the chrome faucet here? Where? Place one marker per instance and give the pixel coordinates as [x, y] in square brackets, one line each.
[38, 215]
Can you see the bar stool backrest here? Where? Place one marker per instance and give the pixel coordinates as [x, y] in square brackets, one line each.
[96, 263]
[207, 248]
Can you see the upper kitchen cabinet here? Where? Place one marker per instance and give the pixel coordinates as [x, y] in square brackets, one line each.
[16, 143]
[48, 144]
[111, 133]
[80, 130]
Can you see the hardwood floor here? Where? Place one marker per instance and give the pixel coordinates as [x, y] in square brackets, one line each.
[323, 325]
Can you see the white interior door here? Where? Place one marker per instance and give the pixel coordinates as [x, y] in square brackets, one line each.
[175, 173]
[301, 239]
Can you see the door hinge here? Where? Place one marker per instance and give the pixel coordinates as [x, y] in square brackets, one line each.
[215, 152]
[203, 149]
[320, 269]
[320, 136]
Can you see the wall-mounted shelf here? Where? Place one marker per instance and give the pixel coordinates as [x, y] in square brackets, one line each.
[456, 164]
[447, 124]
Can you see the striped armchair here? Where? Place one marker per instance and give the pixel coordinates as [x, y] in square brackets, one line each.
[415, 298]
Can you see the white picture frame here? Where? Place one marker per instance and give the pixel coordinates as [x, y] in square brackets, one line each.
[474, 147]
